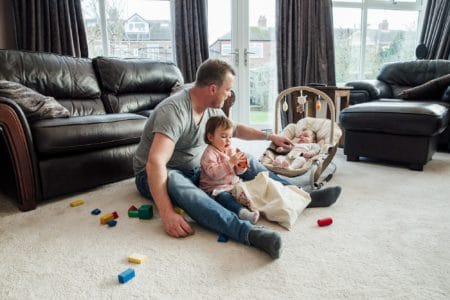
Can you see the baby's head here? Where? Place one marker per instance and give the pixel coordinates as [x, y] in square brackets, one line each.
[307, 136]
[218, 132]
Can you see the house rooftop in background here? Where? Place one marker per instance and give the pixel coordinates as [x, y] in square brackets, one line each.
[137, 28]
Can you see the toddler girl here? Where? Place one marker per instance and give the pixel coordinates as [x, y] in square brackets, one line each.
[221, 163]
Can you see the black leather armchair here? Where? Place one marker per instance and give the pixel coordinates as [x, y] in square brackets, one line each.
[396, 82]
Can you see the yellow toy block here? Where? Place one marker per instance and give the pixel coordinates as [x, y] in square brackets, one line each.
[179, 210]
[76, 203]
[106, 218]
[137, 258]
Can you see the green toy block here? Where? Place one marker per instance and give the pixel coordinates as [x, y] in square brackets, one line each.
[133, 213]
[146, 211]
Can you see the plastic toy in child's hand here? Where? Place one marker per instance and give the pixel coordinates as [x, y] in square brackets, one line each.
[243, 162]
[324, 222]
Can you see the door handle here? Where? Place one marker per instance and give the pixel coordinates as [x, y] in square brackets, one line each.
[236, 56]
[246, 53]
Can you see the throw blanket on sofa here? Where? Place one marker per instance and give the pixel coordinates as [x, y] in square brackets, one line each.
[277, 202]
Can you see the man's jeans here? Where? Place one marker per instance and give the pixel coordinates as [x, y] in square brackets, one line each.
[184, 193]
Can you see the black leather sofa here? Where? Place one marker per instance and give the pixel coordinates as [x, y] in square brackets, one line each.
[424, 81]
[109, 101]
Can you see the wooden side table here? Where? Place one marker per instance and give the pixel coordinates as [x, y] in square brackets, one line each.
[339, 95]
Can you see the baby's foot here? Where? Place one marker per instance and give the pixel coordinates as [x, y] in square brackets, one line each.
[252, 216]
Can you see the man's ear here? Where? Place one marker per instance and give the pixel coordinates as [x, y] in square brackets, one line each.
[212, 88]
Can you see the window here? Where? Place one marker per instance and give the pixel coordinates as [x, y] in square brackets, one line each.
[369, 33]
[129, 28]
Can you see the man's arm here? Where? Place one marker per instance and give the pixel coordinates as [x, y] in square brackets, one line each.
[160, 153]
[249, 133]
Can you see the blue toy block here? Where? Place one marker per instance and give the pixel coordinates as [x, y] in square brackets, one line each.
[126, 275]
[96, 211]
[112, 223]
[222, 238]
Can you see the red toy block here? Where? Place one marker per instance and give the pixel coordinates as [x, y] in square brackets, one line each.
[132, 207]
[324, 222]
[115, 214]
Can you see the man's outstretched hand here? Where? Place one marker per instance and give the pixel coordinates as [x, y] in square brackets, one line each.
[176, 226]
[281, 141]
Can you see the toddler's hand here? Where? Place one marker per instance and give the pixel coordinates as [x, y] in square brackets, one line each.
[236, 158]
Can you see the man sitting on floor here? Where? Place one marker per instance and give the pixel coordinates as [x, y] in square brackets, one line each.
[167, 162]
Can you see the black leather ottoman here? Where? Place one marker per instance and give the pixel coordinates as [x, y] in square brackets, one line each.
[399, 131]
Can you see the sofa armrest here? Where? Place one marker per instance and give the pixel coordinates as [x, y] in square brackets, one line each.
[18, 140]
[375, 89]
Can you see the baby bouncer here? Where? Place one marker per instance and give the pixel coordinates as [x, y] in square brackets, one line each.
[299, 103]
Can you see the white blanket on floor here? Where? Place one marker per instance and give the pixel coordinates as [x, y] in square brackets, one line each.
[277, 202]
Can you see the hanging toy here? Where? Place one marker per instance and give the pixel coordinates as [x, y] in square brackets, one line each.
[285, 105]
[301, 100]
[318, 104]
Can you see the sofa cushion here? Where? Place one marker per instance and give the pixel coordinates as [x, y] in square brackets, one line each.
[413, 73]
[132, 103]
[132, 85]
[70, 80]
[396, 117]
[432, 89]
[35, 105]
[78, 134]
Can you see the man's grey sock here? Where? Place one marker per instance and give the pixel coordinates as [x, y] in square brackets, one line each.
[324, 197]
[266, 240]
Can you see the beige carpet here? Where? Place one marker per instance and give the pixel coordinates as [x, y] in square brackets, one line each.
[389, 240]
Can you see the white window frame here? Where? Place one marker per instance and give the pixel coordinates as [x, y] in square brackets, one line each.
[365, 5]
[104, 31]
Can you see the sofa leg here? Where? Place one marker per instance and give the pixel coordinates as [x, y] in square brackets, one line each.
[352, 157]
[416, 167]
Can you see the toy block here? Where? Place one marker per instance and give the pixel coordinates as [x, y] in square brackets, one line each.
[137, 258]
[146, 211]
[112, 223]
[115, 214]
[126, 275]
[76, 203]
[106, 218]
[96, 211]
[222, 238]
[133, 213]
[324, 222]
[132, 207]
[179, 210]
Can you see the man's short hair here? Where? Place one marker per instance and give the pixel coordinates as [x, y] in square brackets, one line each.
[213, 71]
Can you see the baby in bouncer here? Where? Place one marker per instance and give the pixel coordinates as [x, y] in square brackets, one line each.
[304, 146]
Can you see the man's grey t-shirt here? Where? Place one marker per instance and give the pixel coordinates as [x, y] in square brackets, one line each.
[173, 118]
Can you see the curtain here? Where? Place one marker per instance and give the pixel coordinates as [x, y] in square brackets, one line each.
[305, 45]
[436, 29]
[191, 36]
[50, 26]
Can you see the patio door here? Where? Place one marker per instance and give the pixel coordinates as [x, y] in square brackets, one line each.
[242, 32]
